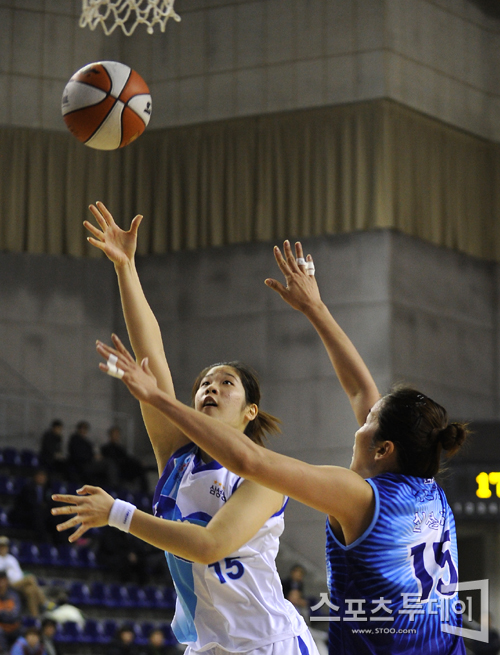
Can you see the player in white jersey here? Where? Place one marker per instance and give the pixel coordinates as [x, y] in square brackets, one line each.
[220, 532]
[391, 542]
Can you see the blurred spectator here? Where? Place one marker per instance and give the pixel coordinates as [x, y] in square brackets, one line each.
[157, 646]
[10, 613]
[85, 465]
[124, 643]
[130, 469]
[48, 630]
[61, 611]
[51, 454]
[31, 508]
[29, 644]
[123, 554]
[293, 589]
[26, 585]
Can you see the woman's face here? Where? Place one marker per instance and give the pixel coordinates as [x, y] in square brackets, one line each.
[363, 453]
[221, 395]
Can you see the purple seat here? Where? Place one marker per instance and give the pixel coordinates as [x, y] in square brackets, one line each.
[28, 458]
[79, 594]
[11, 457]
[109, 629]
[143, 632]
[117, 596]
[70, 633]
[8, 486]
[137, 597]
[68, 556]
[4, 519]
[98, 593]
[48, 555]
[93, 633]
[28, 553]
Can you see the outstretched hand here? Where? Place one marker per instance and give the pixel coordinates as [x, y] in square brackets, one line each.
[91, 509]
[139, 379]
[117, 244]
[301, 291]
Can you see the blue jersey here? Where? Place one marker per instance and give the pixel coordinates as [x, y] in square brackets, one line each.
[394, 588]
[236, 604]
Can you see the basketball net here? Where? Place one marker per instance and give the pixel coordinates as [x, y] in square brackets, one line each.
[126, 14]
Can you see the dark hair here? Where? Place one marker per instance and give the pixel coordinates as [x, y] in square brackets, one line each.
[83, 425]
[47, 622]
[57, 423]
[32, 630]
[263, 423]
[420, 430]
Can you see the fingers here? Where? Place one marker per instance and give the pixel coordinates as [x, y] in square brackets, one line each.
[67, 509]
[106, 214]
[98, 234]
[120, 347]
[98, 217]
[277, 286]
[76, 520]
[88, 489]
[66, 498]
[134, 226]
[290, 259]
[96, 243]
[298, 250]
[78, 533]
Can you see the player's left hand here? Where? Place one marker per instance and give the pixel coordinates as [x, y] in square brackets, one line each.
[301, 291]
[91, 509]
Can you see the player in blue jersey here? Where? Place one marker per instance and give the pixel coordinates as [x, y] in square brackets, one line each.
[220, 532]
[391, 542]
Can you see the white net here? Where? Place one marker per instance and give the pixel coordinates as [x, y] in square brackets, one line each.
[127, 14]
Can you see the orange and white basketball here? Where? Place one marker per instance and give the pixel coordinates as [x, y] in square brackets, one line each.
[107, 105]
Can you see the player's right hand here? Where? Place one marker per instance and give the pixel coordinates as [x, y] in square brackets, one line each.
[117, 244]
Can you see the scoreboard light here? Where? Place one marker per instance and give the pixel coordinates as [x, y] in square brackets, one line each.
[484, 480]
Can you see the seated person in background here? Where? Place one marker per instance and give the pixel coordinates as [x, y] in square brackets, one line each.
[124, 642]
[29, 644]
[51, 455]
[129, 468]
[293, 589]
[10, 613]
[157, 646]
[32, 505]
[84, 462]
[26, 585]
[48, 631]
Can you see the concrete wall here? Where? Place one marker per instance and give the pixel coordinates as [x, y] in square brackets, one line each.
[52, 309]
[230, 58]
[414, 311]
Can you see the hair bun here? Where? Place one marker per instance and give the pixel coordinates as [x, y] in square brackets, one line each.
[453, 436]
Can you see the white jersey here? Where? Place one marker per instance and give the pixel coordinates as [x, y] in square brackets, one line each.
[237, 603]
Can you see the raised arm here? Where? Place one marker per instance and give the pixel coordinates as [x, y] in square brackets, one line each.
[301, 292]
[142, 326]
[336, 491]
[233, 525]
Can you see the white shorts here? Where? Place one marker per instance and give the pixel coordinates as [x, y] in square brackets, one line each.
[300, 645]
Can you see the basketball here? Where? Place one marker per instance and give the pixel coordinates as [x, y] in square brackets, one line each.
[106, 105]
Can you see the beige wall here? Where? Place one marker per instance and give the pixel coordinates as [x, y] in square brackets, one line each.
[230, 58]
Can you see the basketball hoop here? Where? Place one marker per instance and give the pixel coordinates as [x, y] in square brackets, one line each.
[127, 14]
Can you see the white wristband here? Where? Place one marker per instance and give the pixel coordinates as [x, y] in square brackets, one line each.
[121, 515]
